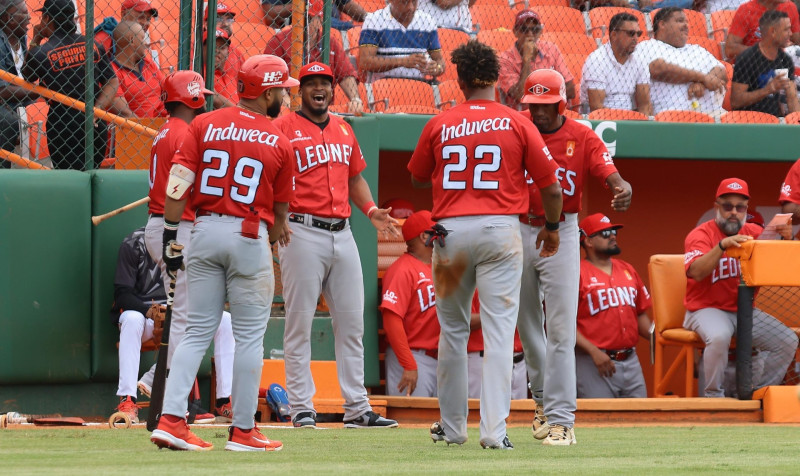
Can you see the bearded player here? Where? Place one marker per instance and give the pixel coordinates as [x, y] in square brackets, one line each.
[475, 156]
[236, 167]
[323, 257]
[578, 152]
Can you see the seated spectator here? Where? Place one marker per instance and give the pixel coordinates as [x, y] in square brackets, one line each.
[139, 11]
[453, 14]
[138, 295]
[683, 77]
[763, 76]
[612, 301]
[344, 74]
[139, 77]
[225, 20]
[745, 30]
[226, 94]
[399, 41]
[790, 193]
[612, 77]
[409, 314]
[711, 292]
[529, 53]
[278, 13]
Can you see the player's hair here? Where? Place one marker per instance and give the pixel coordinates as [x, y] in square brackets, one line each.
[618, 19]
[664, 14]
[770, 18]
[171, 106]
[477, 64]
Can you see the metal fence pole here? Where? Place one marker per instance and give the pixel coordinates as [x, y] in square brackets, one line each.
[88, 81]
[744, 342]
[211, 45]
[184, 36]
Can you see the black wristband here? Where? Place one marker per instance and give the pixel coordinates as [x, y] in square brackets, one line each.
[551, 226]
[720, 246]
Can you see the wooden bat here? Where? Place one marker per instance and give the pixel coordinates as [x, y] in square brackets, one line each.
[96, 220]
[160, 375]
[19, 160]
[75, 104]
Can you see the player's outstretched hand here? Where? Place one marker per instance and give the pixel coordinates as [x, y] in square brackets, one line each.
[605, 366]
[549, 241]
[385, 223]
[408, 382]
[622, 197]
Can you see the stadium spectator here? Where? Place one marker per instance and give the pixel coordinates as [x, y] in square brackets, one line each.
[55, 68]
[527, 54]
[139, 11]
[400, 41]
[763, 76]
[453, 14]
[711, 292]
[612, 77]
[344, 74]
[14, 23]
[139, 77]
[790, 193]
[278, 13]
[225, 84]
[745, 30]
[225, 20]
[612, 301]
[682, 76]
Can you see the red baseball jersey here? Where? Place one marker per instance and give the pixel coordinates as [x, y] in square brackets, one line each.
[790, 189]
[325, 158]
[578, 151]
[141, 88]
[241, 161]
[719, 289]
[475, 342]
[609, 305]
[408, 292]
[745, 20]
[165, 145]
[476, 155]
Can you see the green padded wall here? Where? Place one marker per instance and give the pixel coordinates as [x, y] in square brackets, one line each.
[45, 243]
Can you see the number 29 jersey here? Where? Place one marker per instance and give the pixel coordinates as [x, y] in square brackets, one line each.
[476, 155]
[241, 160]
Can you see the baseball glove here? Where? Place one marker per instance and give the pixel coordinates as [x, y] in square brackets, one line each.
[157, 313]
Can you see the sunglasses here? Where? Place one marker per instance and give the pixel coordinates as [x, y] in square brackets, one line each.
[605, 234]
[728, 207]
[632, 33]
[530, 29]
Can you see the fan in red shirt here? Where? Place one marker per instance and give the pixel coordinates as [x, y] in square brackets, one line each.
[744, 31]
[236, 167]
[711, 292]
[139, 77]
[475, 156]
[227, 66]
[612, 301]
[790, 193]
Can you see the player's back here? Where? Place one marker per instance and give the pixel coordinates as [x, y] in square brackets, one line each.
[165, 144]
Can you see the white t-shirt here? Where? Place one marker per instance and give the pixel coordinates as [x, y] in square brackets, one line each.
[716, 5]
[668, 96]
[456, 18]
[602, 71]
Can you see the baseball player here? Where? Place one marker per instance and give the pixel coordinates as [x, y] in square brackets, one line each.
[236, 165]
[184, 97]
[323, 257]
[790, 193]
[711, 292]
[612, 301]
[577, 151]
[475, 155]
[409, 314]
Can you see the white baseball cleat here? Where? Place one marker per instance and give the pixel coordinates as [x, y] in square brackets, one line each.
[560, 435]
[540, 427]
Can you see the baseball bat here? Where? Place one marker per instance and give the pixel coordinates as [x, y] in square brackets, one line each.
[160, 375]
[19, 160]
[76, 104]
[96, 220]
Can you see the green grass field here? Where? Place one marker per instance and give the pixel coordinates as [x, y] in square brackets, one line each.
[757, 449]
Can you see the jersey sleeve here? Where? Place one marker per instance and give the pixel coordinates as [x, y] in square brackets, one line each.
[433, 38]
[790, 189]
[422, 162]
[397, 287]
[643, 76]
[398, 340]
[599, 163]
[697, 244]
[794, 17]
[283, 188]
[739, 23]
[592, 74]
[538, 162]
[370, 31]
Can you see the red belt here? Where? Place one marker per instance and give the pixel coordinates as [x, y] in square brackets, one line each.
[536, 221]
[619, 355]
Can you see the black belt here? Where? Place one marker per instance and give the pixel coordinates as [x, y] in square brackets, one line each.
[335, 226]
[619, 355]
[156, 215]
[517, 357]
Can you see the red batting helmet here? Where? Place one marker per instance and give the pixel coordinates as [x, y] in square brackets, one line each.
[261, 72]
[545, 86]
[401, 208]
[187, 87]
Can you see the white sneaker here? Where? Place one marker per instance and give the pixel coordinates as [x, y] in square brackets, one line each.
[560, 436]
[540, 427]
[144, 389]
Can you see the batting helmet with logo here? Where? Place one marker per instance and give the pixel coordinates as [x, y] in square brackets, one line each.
[545, 86]
[261, 72]
[401, 208]
[187, 87]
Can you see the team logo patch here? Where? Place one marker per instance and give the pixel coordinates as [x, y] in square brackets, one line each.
[272, 78]
[298, 133]
[605, 219]
[538, 89]
[390, 297]
[193, 88]
[786, 189]
[628, 275]
[344, 129]
[570, 148]
[316, 69]
[735, 186]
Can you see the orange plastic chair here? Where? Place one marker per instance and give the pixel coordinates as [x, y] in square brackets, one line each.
[449, 94]
[600, 16]
[534, 4]
[450, 40]
[557, 18]
[490, 17]
[696, 20]
[395, 92]
[572, 114]
[571, 43]
[616, 115]
[372, 5]
[352, 35]
[575, 64]
[748, 117]
[500, 40]
[341, 99]
[252, 38]
[711, 45]
[683, 116]
[246, 11]
[792, 118]
[412, 109]
[720, 23]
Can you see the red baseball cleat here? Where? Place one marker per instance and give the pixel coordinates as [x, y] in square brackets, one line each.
[250, 440]
[174, 433]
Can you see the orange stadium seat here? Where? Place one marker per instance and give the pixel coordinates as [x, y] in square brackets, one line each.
[252, 38]
[792, 118]
[500, 39]
[449, 94]
[399, 92]
[570, 42]
[600, 16]
[572, 114]
[497, 3]
[246, 10]
[575, 64]
[726, 102]
[490, 17]
[555, 18]
[450, 40]
[167, 32]
[696, 20]
[720, 23]
[683, 116]
[341, 99]
[616, 115]
[372, 5]
[748, 117]
[553, 3]
[711, 45]
[412, 109]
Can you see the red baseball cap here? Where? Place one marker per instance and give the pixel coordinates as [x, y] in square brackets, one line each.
[315, 69]
[733, 185]
[315, 8]
[595, 223]
[221, 9]
[754, 217]
[218, 34]
[524, 16]
[416, 224]
[140, 6]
